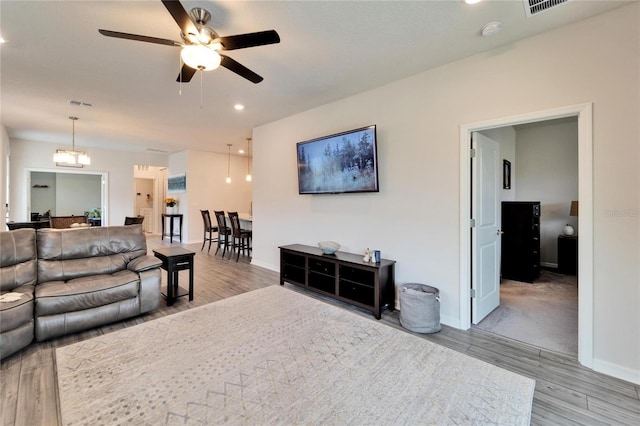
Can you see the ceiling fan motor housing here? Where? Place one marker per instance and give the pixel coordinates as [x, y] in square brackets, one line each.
[205, 34]
[200, 15]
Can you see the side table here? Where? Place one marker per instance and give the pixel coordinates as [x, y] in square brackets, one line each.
[176, 259]
[568, 254]
[171, 220]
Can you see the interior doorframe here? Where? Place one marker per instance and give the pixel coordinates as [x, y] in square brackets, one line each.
[104, 186]
[584, 113]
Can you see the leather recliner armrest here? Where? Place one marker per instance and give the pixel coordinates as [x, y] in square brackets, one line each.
[144, 263]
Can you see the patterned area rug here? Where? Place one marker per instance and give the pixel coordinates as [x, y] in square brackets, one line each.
[274, 356]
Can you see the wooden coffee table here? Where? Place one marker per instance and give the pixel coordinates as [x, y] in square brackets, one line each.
[175, 259]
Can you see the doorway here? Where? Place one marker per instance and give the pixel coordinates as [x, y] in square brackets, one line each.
[538, 303]
[144, 202]
[583, 112]
[149, 183]
[67, 193]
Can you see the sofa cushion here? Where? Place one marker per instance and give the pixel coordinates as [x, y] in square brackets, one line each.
[18, 265]
[17, 313]
[13, 340]
[87, 292]
[50, 326]
[65, 254]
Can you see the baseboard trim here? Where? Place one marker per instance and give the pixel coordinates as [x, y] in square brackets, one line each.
[617, 371]
[265, 265]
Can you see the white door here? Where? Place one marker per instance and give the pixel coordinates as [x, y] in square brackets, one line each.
[485, 234]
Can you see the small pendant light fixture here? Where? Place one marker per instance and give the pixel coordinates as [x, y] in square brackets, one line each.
[248, 159]
[229, 163]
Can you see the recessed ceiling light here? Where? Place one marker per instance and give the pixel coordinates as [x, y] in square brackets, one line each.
[241, 151]
[472, 1]
[491, 28]
[238, 107]
[2, 40]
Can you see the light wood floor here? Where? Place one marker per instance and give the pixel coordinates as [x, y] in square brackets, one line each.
[566, 393]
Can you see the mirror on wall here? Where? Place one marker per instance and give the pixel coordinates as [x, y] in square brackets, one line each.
[66, 194]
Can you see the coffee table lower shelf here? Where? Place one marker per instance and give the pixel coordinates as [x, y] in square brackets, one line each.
[177, 292]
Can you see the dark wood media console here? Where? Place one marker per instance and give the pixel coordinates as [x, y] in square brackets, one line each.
[342, 276]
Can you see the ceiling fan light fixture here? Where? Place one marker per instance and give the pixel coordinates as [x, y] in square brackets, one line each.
[200, 57]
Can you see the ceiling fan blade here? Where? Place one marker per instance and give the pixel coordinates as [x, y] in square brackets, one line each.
[187, 73]
[181, 16]
[137, 37]
[241, 70]
[242, 41]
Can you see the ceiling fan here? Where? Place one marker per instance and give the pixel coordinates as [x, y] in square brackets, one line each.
[201, 44]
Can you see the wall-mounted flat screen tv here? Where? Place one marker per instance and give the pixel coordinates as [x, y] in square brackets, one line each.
[344, 162]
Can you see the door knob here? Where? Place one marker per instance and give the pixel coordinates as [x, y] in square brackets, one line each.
[499, 232]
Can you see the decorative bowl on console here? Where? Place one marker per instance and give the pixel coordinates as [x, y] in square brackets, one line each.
[328, 247]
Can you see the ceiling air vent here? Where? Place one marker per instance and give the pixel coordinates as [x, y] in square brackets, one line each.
[80, 103]
[534, 7]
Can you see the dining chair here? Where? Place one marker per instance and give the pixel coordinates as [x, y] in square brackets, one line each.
[240, 238]
[208, 229]
[224, 232]
[133, 220]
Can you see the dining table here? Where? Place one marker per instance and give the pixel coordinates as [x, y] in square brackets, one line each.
[246, 220]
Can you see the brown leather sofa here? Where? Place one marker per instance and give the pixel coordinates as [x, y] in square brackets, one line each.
[18, 272]
[73, 280]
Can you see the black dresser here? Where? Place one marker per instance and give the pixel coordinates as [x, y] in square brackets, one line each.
[520, 240]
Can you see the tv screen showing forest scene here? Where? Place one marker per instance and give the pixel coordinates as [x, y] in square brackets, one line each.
[344, 162]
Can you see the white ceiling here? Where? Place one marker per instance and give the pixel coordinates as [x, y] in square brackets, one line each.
[329, 50]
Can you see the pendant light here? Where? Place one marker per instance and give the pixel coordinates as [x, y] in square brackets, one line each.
[248, 159]
[229, 163]
[72, 157]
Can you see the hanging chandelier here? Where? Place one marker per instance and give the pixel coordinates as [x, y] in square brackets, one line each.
[72, 157]
[229, 163]
[248, 178]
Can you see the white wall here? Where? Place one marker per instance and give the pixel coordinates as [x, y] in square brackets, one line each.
[43, 199]
[76, 194]
[414, 218]
[547, 155]
[179, 164]
[207, 189]
[118, 164]
[4, 156]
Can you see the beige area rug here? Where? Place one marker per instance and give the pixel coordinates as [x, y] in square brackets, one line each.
[542, 314]
[274, 356]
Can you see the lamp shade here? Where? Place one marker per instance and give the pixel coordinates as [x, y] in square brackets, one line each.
[200, 57]
[573, 211]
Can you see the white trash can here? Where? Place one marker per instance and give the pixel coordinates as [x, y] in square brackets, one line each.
[420, 308]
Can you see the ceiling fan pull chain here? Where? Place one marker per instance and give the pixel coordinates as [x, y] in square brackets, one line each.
[200, 89]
